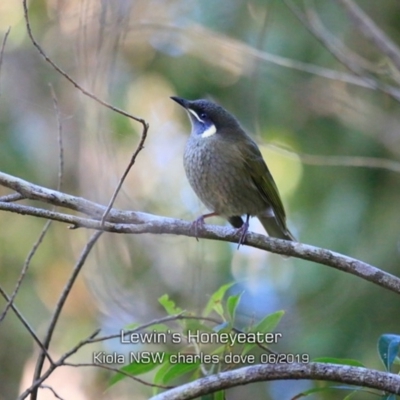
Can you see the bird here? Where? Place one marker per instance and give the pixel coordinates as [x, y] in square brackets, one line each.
[226, 170]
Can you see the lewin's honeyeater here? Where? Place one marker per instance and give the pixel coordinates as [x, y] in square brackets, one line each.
[227, 172]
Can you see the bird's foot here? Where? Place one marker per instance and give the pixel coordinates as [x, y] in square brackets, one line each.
[243, 231]
[199, 223]
[196, 224]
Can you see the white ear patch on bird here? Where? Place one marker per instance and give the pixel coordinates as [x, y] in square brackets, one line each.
[211, 130]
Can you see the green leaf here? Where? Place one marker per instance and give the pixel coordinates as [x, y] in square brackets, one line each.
[194, 325]
[341, 361]
[178, 370]
[158, 328]
[396, 361]
[136, 368]
[219, 310]
[231, 305]
[269, 323]
[224, 327]
[311, 391]
[388, 348]
[327, 389]
[159, 376]
[220, 349]
[247, 347]
[169, 305]
[266, 325]
[214, 303]
[350, 395]
[389, 397]
[219, 395]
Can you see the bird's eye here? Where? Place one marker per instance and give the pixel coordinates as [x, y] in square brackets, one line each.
[203, 116]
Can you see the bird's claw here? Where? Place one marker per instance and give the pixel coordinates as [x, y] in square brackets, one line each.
[196, 224]
[243, 232]
[199, 223]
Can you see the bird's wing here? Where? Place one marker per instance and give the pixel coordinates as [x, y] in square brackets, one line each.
[262, 178]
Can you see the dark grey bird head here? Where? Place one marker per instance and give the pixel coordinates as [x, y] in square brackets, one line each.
[208, 118]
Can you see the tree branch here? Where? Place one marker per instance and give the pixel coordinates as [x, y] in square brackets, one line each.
[57, 311]
[56, 198]
[217, 43]
[268, 372]
[25, 323]
[372, 32]
[344, 55]
[66, 76]
[139, 223]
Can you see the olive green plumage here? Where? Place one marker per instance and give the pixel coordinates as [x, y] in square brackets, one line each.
[227, 172]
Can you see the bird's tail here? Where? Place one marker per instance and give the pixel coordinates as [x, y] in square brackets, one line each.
[275, 228]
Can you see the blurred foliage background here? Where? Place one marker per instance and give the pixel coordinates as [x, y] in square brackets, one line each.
[135, 54]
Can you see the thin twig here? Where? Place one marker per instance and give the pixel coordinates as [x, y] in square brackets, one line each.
[145, 125]
[94, 339]
[313, 24]
[169, 318]
[74, 83]
[35, 192]
[11, 197]
[340, 161]
[254, 90]
[3, 46]
[372, 32]
[26, 324]
[125, 174]
[351, 61]
[157, 321]
[217, 43]
[60, 140]
[47, 225]
[60, 304]
[119, 371]
[52, 390]
[36, 384]
[25, 268]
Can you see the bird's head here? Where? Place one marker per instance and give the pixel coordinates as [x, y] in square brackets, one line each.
[207, 118]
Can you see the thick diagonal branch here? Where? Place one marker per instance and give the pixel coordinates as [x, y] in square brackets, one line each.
[138, 223]
[269, 372]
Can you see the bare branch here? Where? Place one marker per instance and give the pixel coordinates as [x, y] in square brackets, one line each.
[217, 42]
[125, 174]
[36, 384]
[60, 305]
[11, 197]
[56, 198]
[48, 223]
[60, 140]
[372, 32]
[3, 46]
[26, 325]
[25, 268]
[352, 61]
[119, 371]
[342, 53]
[139, 223]
[65, 75]
[268, 372]
[340, 161]
[52, 390]
[157, 321]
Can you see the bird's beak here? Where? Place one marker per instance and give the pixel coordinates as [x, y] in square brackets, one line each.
[182, 102]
